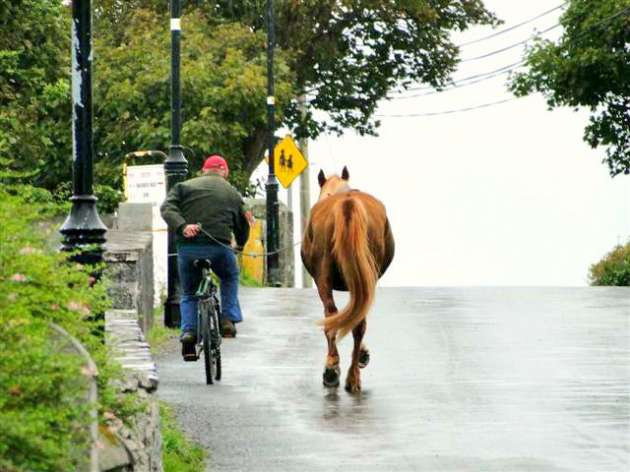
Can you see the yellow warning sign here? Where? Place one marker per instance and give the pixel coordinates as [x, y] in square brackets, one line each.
[288, 161]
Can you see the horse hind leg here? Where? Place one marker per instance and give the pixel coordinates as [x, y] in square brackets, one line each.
[332, 371]
[353, 379]
[364, 357]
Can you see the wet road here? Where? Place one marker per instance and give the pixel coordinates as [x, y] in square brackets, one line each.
[475, 379]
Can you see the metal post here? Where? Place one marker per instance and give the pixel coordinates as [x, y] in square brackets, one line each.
[175, 165]
[273, 278]
[83, 230]
[305, 194]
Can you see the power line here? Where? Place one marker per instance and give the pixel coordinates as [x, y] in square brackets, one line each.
[315, 88]
[464, 81]
[518, 25]
[476, 78]
[511, 46]
[458, 82]
[465, 84]
[448, 112]
[488, 75]
[489, 104]
[472, 79]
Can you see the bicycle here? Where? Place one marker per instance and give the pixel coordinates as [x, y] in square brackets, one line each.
[208, 330]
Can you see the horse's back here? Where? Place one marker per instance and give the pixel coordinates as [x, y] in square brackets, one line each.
[321, 227]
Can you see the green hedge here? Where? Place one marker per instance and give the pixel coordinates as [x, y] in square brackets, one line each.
[613, 269]
[41, 421]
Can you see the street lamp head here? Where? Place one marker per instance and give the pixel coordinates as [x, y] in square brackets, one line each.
[148, 153]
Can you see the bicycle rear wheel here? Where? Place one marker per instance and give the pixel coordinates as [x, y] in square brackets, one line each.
[208, 352]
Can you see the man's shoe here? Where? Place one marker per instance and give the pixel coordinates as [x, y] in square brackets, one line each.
[228, 330]
[189, 353]
[188, 337]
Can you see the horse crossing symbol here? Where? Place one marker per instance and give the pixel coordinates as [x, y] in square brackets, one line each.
[288, 161]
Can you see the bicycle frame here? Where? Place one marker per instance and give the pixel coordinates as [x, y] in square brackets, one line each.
[207, 286]
[208, 335]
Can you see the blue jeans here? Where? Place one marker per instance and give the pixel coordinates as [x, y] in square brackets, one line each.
[224, 265]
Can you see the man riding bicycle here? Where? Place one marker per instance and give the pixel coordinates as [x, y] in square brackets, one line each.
[212, 202]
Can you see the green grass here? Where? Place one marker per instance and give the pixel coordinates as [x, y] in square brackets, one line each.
[159, 335]
[178, 452]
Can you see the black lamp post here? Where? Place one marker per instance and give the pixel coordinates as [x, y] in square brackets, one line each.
[83, 230]
[273, 278]
[175, 165]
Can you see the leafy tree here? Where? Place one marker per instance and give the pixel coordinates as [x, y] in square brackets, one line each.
[35, 103]
[613, 269]
[344, 54]
[348, 54]
[223, 90]
[34, 90]
[589, 66]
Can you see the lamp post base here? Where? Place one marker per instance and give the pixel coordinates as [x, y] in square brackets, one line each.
[172, 315]
[83, 231]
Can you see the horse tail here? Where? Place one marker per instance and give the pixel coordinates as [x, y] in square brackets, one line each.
[356, 263]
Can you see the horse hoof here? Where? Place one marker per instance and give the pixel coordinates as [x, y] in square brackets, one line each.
[353, 388]
[331, 377]
[364, 358]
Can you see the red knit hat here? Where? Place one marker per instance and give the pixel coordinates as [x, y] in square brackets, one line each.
[216, 162]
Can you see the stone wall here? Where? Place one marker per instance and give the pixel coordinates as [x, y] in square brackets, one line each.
[136, 447]
[129, 259]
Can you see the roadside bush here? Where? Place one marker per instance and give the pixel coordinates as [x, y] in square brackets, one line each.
[613, 269]
[41, 420]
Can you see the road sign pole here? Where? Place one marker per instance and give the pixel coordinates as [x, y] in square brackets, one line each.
[305, 194]
[273, 278]
[290, 199]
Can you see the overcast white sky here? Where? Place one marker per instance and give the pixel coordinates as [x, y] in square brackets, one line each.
[505, 195]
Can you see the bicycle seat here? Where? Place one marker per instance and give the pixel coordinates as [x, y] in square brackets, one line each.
[202, 263]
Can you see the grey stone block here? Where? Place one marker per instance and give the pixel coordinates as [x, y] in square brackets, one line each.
[129, 259]
[134, 217]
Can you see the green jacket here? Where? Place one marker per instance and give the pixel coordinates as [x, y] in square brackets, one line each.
[211, 201]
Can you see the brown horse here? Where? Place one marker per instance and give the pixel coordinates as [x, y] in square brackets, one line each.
[347, 246]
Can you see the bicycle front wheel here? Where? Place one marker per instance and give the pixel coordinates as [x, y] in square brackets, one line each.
[208, 352]
[216, 344]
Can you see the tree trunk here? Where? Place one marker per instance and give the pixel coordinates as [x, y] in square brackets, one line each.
[254, 151]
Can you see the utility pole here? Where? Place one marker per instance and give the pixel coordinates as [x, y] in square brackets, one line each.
[83, 230]
[305, 193]
[175, 165]
[273, 278]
